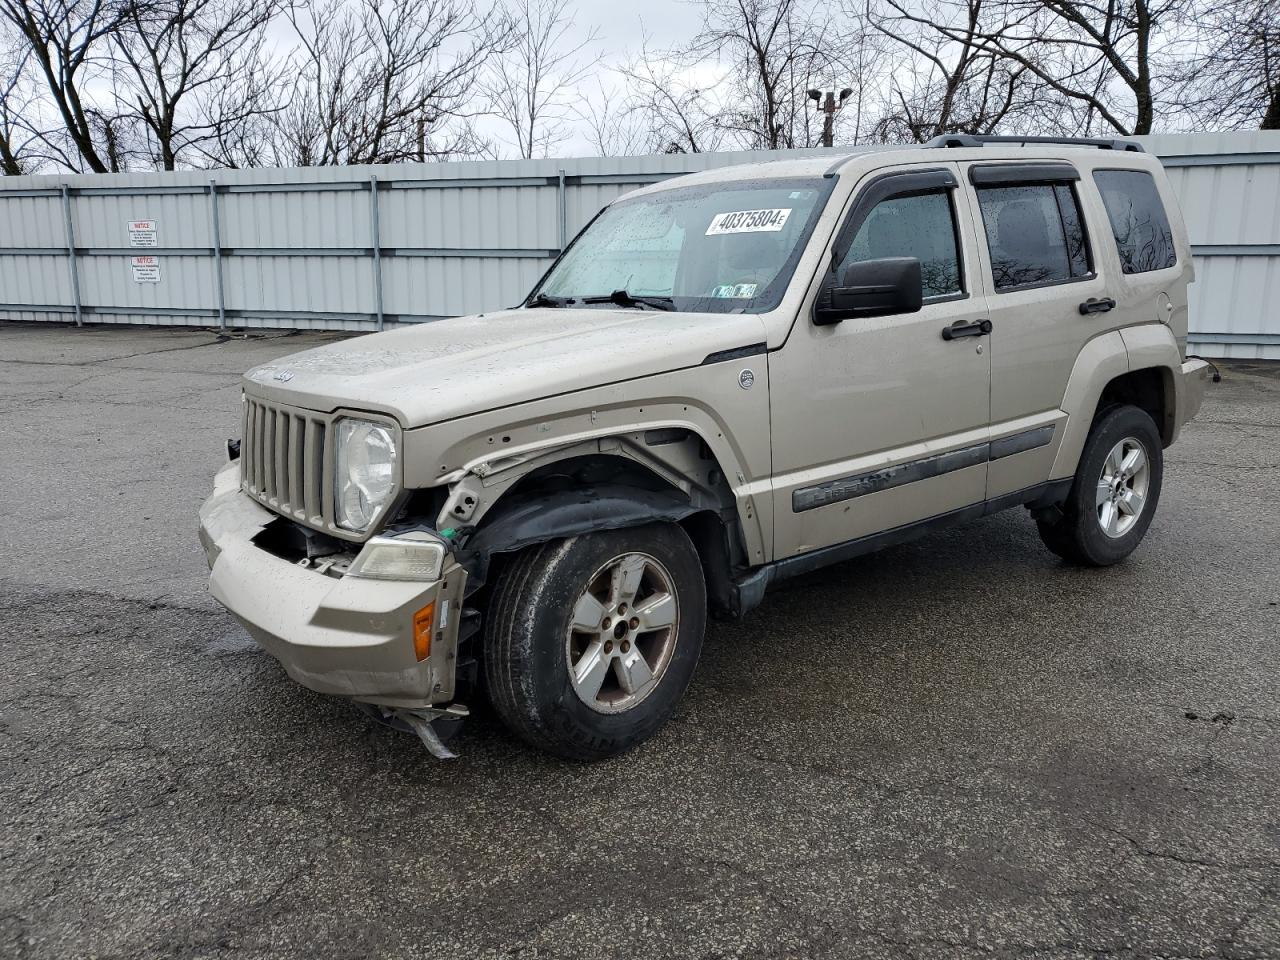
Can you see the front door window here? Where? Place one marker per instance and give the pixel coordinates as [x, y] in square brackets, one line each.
[920, 225]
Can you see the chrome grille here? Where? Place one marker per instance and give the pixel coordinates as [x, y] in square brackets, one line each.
[283, 461]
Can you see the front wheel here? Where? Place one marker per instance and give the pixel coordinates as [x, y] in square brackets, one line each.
[590, 642]
[1115, 492]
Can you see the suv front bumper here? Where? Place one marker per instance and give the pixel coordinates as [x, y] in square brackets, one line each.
[347, 636]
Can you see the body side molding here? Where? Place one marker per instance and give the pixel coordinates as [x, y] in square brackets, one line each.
[1022, 442]
[861, 484]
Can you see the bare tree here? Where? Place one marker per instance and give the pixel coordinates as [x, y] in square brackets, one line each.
[1235, 82]
[1110, 60]
[531, 85]
[236, 122]
[952, 81]
[65, 39]
[192, 73]
[381, 81]
[1121, 44]
[776, 50]
[18, 110]
[674, 103]
[614, 126]
[865, 64]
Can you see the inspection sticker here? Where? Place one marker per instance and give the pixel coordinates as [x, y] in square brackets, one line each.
[145, 269]
[748, 221]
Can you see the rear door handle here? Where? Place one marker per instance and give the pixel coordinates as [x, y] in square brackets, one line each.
[1097, 305]
[978, 328]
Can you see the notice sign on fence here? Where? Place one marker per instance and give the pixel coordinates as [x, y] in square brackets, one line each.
[142, 233]
[145, 269]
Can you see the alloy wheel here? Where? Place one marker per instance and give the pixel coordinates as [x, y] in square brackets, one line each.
[622, 633]
[1122, 487]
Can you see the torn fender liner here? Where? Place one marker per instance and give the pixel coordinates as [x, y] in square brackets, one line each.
[550, 516]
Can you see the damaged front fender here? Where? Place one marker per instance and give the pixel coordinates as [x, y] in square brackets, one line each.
[537, 519]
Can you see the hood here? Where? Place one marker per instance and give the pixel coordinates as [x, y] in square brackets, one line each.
[464, 365]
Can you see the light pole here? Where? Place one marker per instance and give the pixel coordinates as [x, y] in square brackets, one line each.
[829, 107]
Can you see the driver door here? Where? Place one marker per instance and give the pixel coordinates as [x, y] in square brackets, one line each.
[879, 422]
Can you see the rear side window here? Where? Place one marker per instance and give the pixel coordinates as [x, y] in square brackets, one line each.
[1138, 220]
[1034, 233]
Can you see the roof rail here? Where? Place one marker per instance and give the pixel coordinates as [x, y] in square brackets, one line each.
[973, 140]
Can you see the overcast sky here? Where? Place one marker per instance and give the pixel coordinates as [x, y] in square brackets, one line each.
[667, 21]
[620, 25]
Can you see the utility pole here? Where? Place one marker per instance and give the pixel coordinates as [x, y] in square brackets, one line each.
[829, 107]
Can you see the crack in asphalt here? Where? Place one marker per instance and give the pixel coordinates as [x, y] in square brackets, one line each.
[1250, 866]
[218, 340]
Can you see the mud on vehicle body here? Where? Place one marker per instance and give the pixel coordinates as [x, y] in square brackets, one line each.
[726, 379]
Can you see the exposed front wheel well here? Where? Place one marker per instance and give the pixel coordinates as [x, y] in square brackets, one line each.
[659, 476]
[717, 541]
[722, 553]
[590, 470]
[1150, 390]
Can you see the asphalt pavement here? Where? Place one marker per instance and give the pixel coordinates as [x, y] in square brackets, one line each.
[957, 748]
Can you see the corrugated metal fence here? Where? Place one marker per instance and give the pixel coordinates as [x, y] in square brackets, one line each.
[354, 248]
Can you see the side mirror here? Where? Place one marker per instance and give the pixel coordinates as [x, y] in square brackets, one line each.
[871, 288]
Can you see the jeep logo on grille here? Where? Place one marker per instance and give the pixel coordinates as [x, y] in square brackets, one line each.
[283, 376]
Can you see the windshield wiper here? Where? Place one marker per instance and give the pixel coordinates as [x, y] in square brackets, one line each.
[546, 300]
[624, 299]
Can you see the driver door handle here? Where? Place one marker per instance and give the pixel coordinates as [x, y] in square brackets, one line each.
[977, 328]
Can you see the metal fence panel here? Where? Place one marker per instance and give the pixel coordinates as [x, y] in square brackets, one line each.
[348, 248]
[284, 221]
[429, 287]
[39, 279]
[31, 221]
[184, 283]
[1228, 186]
[341, 285]
[101, 220]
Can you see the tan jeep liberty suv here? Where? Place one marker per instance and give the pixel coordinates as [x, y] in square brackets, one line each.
[727, 378]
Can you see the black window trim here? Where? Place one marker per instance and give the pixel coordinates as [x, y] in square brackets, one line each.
[1084, 231]
[1177, 258]
[1089, 258]
[1006, 174]
[895, 185]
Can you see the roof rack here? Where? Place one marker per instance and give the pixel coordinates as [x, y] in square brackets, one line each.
[972, 140]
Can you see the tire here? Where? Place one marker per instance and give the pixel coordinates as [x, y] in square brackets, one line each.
[1101, 521]
[548, 610]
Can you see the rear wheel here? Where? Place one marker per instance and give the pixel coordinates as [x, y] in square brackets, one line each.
[1115, 492]
[591, 641]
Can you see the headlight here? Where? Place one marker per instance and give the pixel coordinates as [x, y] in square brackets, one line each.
[365, 469]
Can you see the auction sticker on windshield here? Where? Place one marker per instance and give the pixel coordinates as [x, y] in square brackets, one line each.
[748, 221]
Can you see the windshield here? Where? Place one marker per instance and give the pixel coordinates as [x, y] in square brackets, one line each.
[716, 247]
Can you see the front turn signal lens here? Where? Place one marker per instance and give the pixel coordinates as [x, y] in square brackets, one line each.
[424, 622]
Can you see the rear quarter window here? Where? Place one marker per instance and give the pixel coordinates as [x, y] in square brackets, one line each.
[1138, 220]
